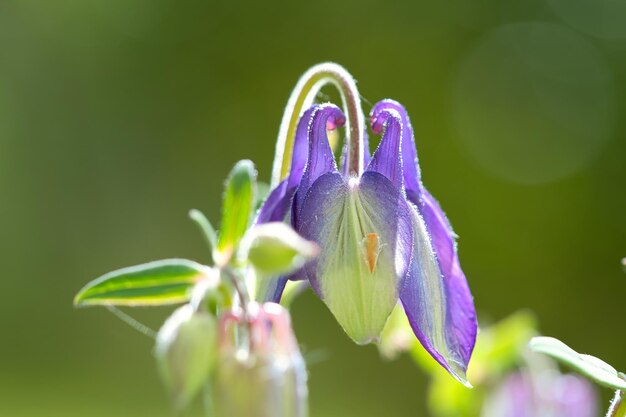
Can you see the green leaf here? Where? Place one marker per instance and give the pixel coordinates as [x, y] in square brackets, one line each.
[587, 365]
[156, 283]
[500, 346]
[205, 227]
[237, 209]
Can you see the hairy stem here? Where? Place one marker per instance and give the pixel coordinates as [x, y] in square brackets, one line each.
[240, 289]
[618, 406]
[301, 98]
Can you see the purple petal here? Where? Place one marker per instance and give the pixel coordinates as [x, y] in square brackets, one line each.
[460, 316]
[275, 208]
[320, 158]
[387, 159]
[277, 204]
[574, 396]
[444, 326]
[412, 177]
[275, 290]
[441, 234]
[547, 393]
[514, 397]
[300, 148]
[363, 227]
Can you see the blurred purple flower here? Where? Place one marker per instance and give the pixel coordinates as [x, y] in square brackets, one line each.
[261, 372]
[546, 394]
[383, 237]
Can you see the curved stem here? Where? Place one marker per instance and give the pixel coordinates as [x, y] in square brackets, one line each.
[132, 322]
[240, 289]
[244, 299]
[618, 406]
[302, 97]
[205, 227]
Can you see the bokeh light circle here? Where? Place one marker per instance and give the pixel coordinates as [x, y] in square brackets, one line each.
[533, 102]
[602, 18]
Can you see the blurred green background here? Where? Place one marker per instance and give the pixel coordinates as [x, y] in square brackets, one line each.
[116, 117]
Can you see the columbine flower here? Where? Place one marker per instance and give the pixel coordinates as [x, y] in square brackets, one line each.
[383, 238]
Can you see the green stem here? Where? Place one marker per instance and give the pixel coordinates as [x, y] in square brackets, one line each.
[132, 322]
[240, 288]
[301, 98]
[207, 399]
[618, 407]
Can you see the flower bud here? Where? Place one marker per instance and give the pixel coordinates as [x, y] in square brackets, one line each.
[186, 351]
[263, 374]
[275, 248]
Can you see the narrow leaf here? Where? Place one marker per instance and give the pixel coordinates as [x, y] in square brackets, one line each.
[237, 208]
[156, 283]
[587, 365]
[205, 227]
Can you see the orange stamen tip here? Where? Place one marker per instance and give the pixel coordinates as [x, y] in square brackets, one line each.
[372, 245]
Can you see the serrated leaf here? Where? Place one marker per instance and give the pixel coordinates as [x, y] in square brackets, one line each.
[155, 283]
[587, 365]
[237, 209]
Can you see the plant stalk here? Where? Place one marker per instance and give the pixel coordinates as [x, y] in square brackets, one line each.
[301, 98]
[618, 406]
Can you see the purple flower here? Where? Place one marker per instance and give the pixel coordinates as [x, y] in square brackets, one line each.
[383, 238]
[546, 394]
